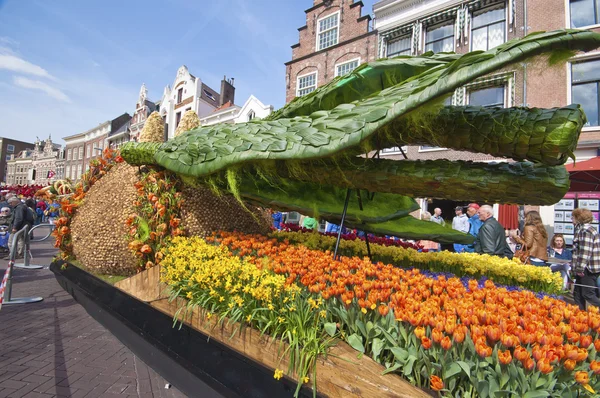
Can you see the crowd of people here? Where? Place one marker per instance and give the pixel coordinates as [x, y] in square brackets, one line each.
[17, 212]
[581, 266]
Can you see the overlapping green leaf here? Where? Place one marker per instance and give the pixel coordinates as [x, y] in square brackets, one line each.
[517, 182]
[325, 201]
[411, 228]
[345, 127]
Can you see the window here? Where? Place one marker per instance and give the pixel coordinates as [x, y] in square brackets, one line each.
[327, 31]
[306, 84]
[488, 29]
[400, 46]
[88, 151]
[68, 171]
[585, 77]
[177, 118]
[393, 150]
[69, 154]
[8, 157]
[251, 115]
[179, 95]
[346, 67]
[10, 148]
[209, 95]
[440, 38]
[78, 171]
[491, 97]
[584, 13]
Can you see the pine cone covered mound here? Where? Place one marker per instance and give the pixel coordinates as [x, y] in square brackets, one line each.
[204, 212]
[99, 232]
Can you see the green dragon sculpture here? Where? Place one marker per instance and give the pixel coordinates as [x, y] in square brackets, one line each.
[305, 156]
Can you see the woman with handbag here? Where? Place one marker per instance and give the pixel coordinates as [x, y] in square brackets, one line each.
[534, 240]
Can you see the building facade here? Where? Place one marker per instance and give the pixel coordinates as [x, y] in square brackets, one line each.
[9, 147]
[334, 41]
[190, 93]
[131, 130]
[81, 148]
[42, 165]
[18, 168]
[414, 27]
[253, 108]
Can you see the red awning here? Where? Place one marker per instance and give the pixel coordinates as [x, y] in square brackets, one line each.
[508, 216]
[585, 176]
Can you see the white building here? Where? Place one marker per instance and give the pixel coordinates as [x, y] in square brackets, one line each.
[189, 92]
[231, 113]
[130, 131]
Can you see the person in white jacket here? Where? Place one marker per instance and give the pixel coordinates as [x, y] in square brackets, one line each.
[460, 223]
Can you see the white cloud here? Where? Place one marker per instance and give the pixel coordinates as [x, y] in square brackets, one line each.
[39, 85]
[15, 64]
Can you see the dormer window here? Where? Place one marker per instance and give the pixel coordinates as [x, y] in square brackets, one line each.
[209, 95]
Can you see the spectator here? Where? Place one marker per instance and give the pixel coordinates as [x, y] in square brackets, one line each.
[5, 216]
[428, 245]
[586, 258]
[310, 223]
[460, 223]
[4, 228]
[277, 217]
[535, 238]
[557, 250]
[21, 216]
[332, 228]
[474, 224]
[437, 216]
[491, 238]
[52, 211]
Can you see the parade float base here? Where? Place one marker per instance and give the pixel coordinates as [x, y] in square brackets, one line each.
[343, 373]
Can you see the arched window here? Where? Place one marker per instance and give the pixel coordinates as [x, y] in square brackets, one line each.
[251, 115]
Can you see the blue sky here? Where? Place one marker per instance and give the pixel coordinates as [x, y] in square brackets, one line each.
[68, 65]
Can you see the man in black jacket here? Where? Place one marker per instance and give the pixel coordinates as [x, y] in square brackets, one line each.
[22, 216]
[491, 238]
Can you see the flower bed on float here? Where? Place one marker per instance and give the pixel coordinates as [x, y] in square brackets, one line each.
[436, 332]
[500, 270]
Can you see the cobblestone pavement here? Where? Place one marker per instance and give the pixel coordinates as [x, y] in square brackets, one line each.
[55, 349]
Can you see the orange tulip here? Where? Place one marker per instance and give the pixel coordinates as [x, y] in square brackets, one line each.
[426, 342]
[585, 341]
[529, 364]
[521, 353]
[384, 309]
[504, 357]
[544, 366]
[595, 367]
[582, 377]
[459, 335]
[435, 383]
[508, 340]
[569, 364]
[146, 249]
[597, 344]
[446, 343]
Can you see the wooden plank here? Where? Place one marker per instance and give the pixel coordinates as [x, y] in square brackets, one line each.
[341, 374]
[145, 286]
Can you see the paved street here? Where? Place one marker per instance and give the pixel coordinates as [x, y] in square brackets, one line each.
[55, 349]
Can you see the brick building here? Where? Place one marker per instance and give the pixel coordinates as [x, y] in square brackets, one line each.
[42, 165]
[10, 147]
[81, 148]
[334, 41]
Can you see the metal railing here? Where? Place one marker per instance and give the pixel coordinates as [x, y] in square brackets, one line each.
[24, 232]
[50, 227]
